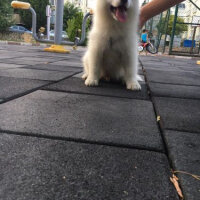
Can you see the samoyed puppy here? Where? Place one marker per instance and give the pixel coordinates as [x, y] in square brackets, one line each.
[112, 45]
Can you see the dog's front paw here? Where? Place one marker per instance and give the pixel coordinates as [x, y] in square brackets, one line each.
[91, 82]
[84, 76]
[133, 85]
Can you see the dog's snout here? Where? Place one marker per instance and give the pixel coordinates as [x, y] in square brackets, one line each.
[124, 2]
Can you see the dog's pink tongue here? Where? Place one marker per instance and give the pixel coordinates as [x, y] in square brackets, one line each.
[121, 14]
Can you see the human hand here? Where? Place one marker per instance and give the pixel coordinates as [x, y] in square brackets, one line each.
[142, 18]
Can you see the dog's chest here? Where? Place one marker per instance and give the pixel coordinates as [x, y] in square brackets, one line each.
[114, 43]
[114, 51]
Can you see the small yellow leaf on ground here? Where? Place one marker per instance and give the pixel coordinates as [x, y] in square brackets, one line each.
[158, 118]
[193, 175]
[125, 192]
[174, 180]
[74, 47]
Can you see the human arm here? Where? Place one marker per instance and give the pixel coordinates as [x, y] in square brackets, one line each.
[147, 37]
[154, 8]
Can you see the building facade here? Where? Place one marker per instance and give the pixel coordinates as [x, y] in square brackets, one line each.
[193, 16]
[85, 5]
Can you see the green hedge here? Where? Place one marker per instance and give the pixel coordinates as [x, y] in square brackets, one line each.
[74, 25]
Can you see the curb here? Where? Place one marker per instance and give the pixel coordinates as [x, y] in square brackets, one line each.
[171, 56]
[33, 44]
[23, 43]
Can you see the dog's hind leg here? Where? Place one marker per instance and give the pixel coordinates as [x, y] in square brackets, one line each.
[85, 65]
[131, 76]
[93, 64]
[131, 81]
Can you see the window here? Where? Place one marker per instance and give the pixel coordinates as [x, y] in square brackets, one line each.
[21, 28]
[181, 5]
[15, 27]
[52, 2]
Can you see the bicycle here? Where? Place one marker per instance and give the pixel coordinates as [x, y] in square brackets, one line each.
[148, 46]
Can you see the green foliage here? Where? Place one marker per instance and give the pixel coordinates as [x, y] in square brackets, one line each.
[5, 15]
[40, 9]
[70, 10]
[74, 25]
[161, 26]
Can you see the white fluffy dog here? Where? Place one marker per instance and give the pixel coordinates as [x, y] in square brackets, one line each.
[112, 46]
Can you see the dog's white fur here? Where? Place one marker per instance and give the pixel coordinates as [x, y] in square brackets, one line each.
[112, 46]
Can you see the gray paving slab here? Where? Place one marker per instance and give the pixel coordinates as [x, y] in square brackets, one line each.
[67, 67]
[11, 54]
[9, 51]
[178, 61]
[76, 54]
[24, 49]
[97, 119]
[178, 114]
[175, 62]
[73, 54]
[184, 151]
[70, 62]
[35, 74]
[148, 58]
[167, 67]
[77, 85]
[65, 56]
[42, 54]
[5, 56]
[9, 66]
[155, 64]
[38, 53]
[36, 168]
[179, 91]
[79, 75]
[21, 62]
[12, 87]
[49, 55]
[140, 71]
[41, 59]
[173, 77]
[168, 60]
[78, 63]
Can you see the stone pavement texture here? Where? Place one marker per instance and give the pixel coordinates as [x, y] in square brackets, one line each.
[174, 86]
[62, 140]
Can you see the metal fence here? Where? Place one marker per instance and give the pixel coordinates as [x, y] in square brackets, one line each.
[186, 42]
[177, 30]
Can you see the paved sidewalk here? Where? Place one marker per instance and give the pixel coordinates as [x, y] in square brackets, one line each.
[62, 140]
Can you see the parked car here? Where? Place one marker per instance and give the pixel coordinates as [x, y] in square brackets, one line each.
[64, 34]
[19, 29]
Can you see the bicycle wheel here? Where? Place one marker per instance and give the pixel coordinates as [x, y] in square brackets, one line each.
[151, 49]
[140, 48]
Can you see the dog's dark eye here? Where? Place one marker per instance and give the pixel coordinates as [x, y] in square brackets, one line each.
[112, 8]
